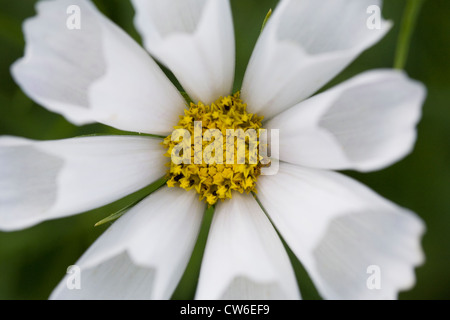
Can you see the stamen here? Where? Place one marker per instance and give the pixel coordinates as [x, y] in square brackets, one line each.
[237, 171]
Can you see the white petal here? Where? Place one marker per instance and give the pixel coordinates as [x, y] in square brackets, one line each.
[194, 39]
[142, 255]
[339, 228]
[244, 258]
[366, 123]
[50, 179]
[303, 46]
[96, 73]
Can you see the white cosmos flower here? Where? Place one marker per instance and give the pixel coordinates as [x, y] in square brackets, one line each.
[335, 226]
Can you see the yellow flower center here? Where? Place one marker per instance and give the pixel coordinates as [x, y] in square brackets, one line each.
[214, 149]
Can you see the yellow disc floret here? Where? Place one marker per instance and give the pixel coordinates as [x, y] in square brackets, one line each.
[214, 165]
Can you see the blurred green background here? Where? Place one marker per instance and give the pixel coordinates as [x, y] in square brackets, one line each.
[33, 261]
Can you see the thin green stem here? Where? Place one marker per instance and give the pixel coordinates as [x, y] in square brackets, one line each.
[410, 16]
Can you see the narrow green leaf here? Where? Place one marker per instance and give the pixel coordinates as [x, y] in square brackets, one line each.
[151, 135]
[266, 19]
[151, 188]
[116, 215]
[187, 98]
[121, 134]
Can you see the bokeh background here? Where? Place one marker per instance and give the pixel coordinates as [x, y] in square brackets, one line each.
[34, 260]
